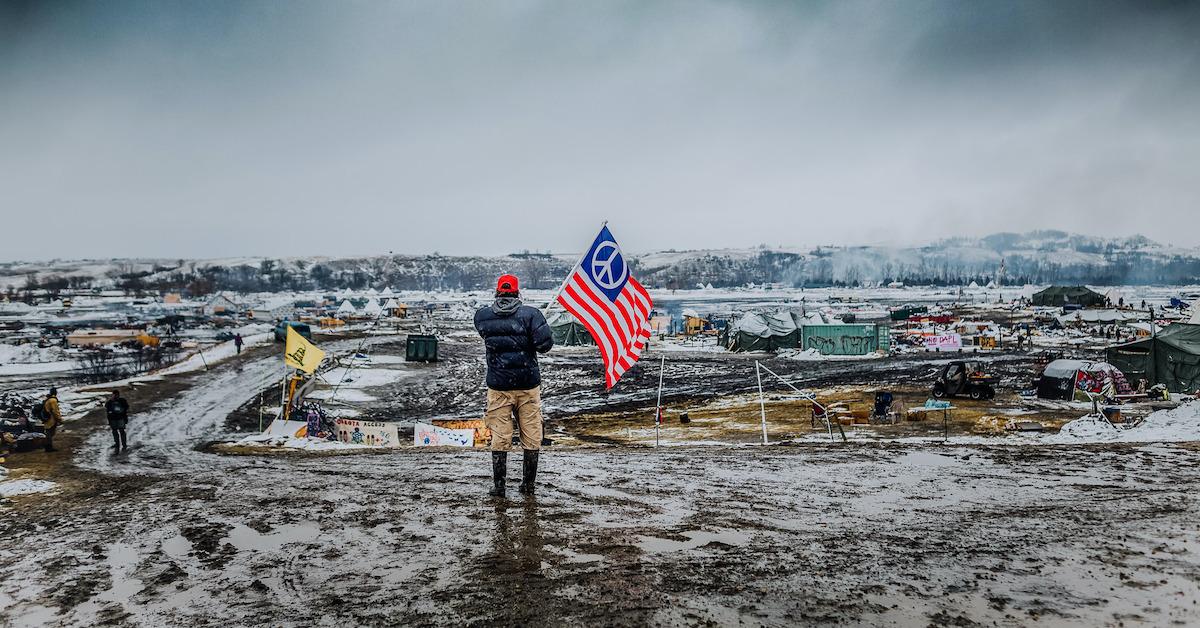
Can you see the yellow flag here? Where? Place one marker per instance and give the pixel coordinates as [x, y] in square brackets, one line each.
[300, 353]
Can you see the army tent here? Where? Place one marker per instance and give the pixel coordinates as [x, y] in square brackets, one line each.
[756, 331]
[567, 331]
[1170, 357]
[1057, 296]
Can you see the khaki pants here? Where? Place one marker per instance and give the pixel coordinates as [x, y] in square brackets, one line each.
[498, 417]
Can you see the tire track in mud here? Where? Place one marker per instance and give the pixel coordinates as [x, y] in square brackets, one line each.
[164, 438]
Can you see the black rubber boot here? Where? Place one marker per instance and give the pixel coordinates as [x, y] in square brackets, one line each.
[528, 471]
[499, 471]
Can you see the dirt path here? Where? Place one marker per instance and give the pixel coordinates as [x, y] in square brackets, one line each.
[815, 534]
[875, 535]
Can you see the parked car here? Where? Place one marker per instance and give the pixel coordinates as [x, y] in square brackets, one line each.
[301, 328]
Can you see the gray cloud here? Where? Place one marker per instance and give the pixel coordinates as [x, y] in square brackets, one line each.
[215, 129]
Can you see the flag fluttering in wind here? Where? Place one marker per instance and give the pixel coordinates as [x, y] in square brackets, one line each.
[300, 353]
[610, 303]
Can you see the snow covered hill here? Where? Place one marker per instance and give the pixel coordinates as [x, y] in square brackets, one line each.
[1035, 257]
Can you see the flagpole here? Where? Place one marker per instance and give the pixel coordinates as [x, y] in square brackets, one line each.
[658, 406]
[554, 297]
[762, 407]
[283, 394]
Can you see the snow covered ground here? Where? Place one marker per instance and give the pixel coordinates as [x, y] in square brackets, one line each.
[202, 358]
[270, 441]
[13, 488]
[1180, 424]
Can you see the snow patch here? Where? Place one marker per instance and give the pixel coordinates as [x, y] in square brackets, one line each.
[1180, 424]
[812, 355]
[25, 487]
[293, 442]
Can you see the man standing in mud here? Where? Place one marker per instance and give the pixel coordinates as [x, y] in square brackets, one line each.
[52, 417]
[117, 410]
[513, 334]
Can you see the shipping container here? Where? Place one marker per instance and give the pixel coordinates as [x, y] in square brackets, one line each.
[859, 339]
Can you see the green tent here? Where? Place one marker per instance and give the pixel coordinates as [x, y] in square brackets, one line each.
[756, 331]
[1058, 296]
[1172, 357]
[567, 331]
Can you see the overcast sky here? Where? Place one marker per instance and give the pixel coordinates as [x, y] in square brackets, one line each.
[213, 129]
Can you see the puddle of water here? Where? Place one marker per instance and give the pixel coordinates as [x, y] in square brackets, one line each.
[121, 560]
[177, 547]
[245, 538]
[926, 459]
[573, 557]
[34, 615]
[696, 538]
[122, 564]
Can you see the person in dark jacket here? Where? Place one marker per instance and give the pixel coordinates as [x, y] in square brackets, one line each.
[118, 418]
[513, 334]
[238, 342]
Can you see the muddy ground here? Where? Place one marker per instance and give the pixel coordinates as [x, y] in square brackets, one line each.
[857, 533]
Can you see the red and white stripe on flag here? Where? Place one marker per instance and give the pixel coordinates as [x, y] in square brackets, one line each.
[611, 304]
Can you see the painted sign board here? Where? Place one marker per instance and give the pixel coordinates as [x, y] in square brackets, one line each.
[370, 433]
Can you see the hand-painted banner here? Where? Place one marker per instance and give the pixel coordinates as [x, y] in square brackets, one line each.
[943, 341]
[370, 433]
[425, 435]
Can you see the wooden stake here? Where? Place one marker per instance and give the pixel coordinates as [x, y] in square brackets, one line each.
[658, 405]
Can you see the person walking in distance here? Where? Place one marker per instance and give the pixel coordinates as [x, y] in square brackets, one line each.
[117, 410]
[238, 342]
[513, 334]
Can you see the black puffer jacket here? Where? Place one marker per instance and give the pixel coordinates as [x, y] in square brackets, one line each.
[513, 334]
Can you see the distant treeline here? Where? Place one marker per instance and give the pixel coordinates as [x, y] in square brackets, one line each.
[819, 268]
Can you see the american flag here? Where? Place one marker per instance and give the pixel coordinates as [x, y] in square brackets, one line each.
[614, 307]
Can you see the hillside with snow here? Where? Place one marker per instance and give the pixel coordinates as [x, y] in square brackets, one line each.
[1036, 257]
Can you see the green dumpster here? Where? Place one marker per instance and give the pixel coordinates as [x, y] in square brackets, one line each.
[421, 348]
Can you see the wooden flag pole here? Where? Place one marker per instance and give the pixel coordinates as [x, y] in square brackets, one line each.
[762, 407]
[658, 405]
[283, 400]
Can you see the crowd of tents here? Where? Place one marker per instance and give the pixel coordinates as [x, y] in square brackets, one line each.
[1170, 356]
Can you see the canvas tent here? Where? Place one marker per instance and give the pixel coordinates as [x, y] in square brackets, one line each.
[1058, 296]
[1077, 380]
[756, 331]
[1170, 357]
[567, 331]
